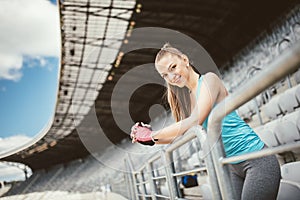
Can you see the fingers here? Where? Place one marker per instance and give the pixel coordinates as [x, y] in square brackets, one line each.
[135, 128]
[133, 132]
[133, 140]
[146, 125]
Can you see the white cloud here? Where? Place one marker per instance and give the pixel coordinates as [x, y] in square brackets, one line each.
[10, 66]
[13, 142]
[28, 28]
[9, 173]
[15, 172]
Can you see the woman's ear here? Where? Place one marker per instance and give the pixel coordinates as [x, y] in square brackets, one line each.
[185, 59]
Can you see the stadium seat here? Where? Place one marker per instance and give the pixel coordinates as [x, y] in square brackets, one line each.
[288, 190]
[286, 132]
[206, 191]
[248, 109]
[272, 109]
[298, 121]
[164, 189]
[244, 112]
[293, 117]
[194, 161]
[297, 77]
[296, 92]
[290, 171]
[252, 107]
[288, 102]
[267, 135]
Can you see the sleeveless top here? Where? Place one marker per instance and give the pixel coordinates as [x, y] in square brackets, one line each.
[237, 136]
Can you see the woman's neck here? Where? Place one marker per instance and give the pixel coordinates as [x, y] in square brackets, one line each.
[193, 81]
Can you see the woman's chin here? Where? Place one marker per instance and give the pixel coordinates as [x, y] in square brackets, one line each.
[180, 85]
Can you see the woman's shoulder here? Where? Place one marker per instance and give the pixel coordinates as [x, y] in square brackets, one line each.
[211, 77]
[212, 81]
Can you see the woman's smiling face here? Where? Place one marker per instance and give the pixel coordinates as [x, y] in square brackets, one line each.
[174, 69]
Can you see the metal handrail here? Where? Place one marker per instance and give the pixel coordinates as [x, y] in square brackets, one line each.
[285, 64]
[264, 152]
[170, 176]
[198, 169]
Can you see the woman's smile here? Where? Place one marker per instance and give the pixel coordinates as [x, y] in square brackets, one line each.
[176, 79]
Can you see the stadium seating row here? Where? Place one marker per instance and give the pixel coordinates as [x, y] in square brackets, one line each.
[283, 103]
[281, 131]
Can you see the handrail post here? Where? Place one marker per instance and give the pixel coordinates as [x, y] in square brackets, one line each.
[151, 180]
[169, 169]
[202, 138]
[133, 178]
[128, 175]
[222, 172]
[128, 180]
[285, 64]
[143, 184]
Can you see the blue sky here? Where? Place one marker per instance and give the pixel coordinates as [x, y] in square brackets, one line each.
[27, 104]
[29, 67]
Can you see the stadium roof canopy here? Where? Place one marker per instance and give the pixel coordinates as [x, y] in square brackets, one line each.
[95, 34]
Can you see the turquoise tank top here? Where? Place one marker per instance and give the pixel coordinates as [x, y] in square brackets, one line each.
[237, 136]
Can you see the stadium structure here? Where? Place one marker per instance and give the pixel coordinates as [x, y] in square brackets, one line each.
[86, 151]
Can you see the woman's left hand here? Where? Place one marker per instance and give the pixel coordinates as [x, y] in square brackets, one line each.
[141, 133]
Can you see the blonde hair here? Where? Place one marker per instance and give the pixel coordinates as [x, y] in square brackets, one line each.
[167, 48]
[178, 98]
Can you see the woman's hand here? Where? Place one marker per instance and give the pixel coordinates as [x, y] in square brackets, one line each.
[142, 133]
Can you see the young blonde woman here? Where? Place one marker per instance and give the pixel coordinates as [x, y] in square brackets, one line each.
[192, 96]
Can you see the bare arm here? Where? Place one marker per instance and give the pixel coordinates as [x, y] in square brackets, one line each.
[209, 92]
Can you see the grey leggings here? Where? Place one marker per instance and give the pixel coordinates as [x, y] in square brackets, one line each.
[256, 179]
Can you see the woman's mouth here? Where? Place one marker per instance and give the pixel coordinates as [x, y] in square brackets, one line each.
[177, 79]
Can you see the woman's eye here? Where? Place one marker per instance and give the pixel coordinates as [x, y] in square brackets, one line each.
[173, 67]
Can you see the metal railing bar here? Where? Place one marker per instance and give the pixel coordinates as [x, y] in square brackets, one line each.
[151, 160]
[154, 158]
[159, 177]
[284, 64]
[188, 136]
[142, 182]
[132, 177]
[169, 169]
[162, 196]
[152, 182]
[199, 169]
[141, 168]
[265, 152]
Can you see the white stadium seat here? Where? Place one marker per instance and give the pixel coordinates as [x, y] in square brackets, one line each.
[297, 77]
[288, 190]
[272, 109]
[296, 92]
[267, 135]
[244, 112]
[286, 132]
[194, 161]
[288, 102]
[293, 117]
[206, 192]
[291, 171]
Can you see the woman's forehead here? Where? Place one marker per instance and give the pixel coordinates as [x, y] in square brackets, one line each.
[165, 62]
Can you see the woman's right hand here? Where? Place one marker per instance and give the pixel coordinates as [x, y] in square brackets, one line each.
[141, 133]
